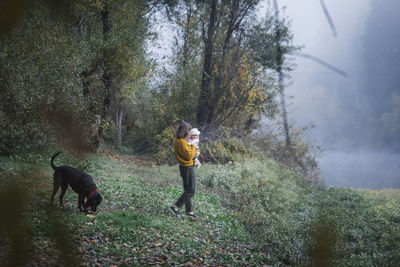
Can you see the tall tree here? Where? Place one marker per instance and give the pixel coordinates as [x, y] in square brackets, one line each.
[231, 81]
[205, 90]
[270, 43]
[120, 61]
[224, 35]
[279, 70]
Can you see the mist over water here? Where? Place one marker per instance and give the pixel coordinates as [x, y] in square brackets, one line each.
[356, 118]
[367, 170]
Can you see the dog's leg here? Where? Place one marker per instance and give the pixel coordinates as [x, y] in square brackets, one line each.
[81, 203]
[56, 185]
[64, 187]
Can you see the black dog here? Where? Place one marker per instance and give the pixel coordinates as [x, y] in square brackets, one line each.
[79, 181]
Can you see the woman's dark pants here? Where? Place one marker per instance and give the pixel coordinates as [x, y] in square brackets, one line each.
[189, 186]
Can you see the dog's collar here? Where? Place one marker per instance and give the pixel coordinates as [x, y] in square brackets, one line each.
[89, 196]
[95, 191]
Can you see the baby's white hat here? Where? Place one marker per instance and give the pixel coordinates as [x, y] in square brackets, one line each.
[194, 131]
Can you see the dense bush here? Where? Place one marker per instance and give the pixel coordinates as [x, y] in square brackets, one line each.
[223, 145]
[216, 146]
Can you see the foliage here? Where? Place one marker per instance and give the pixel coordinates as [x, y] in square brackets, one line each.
[116, 30]
[223, 146]
[82, 67]
[263, 41]
[39, 78]
[251, 213]
[245, 93]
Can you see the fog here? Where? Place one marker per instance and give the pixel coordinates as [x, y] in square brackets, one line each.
[356, 118]
[369, 170]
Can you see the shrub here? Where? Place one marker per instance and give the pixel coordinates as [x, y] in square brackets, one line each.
[164, 147]
[216, 146]
[222, 145]
[300, 155]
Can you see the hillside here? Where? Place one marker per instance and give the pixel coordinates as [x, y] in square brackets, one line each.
[251, 213]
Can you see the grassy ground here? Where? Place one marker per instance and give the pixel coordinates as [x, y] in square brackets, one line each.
[251, 213]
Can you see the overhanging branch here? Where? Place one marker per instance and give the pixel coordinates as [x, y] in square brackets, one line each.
[323, 63]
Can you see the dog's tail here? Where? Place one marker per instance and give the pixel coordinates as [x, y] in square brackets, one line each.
[52, 161]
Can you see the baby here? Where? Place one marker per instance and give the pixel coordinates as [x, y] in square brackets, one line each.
[194, 141]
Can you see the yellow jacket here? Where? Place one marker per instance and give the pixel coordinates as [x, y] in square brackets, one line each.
[184, 153]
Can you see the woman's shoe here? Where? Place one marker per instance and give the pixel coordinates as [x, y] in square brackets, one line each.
[192, 215]
[175, 212]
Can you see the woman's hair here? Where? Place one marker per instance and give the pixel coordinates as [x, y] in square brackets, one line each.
[183, 130]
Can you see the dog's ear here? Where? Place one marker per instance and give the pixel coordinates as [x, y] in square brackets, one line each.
[95, 200]
[99, 198]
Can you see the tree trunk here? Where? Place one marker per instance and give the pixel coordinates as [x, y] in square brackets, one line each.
[219, 77]
[184, 95]
[212, 105]
[284, 113]
[118, 126]
[202, 106]
[279, 64]
[106, 68]
[95, 139]
[105, 21]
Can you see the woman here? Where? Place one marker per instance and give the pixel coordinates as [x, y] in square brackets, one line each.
[185, 154]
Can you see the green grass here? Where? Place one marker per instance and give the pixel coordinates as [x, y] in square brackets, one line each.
[251, 213]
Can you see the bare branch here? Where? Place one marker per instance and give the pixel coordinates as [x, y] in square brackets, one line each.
[329, 66]
[328, 17]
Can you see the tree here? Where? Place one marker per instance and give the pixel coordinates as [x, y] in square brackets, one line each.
[205, 90]
[279, 70]
[121, 60]
[180, 88]
[231, 79]
[270, 43]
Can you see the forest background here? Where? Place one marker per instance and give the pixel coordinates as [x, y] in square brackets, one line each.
[79, 75]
